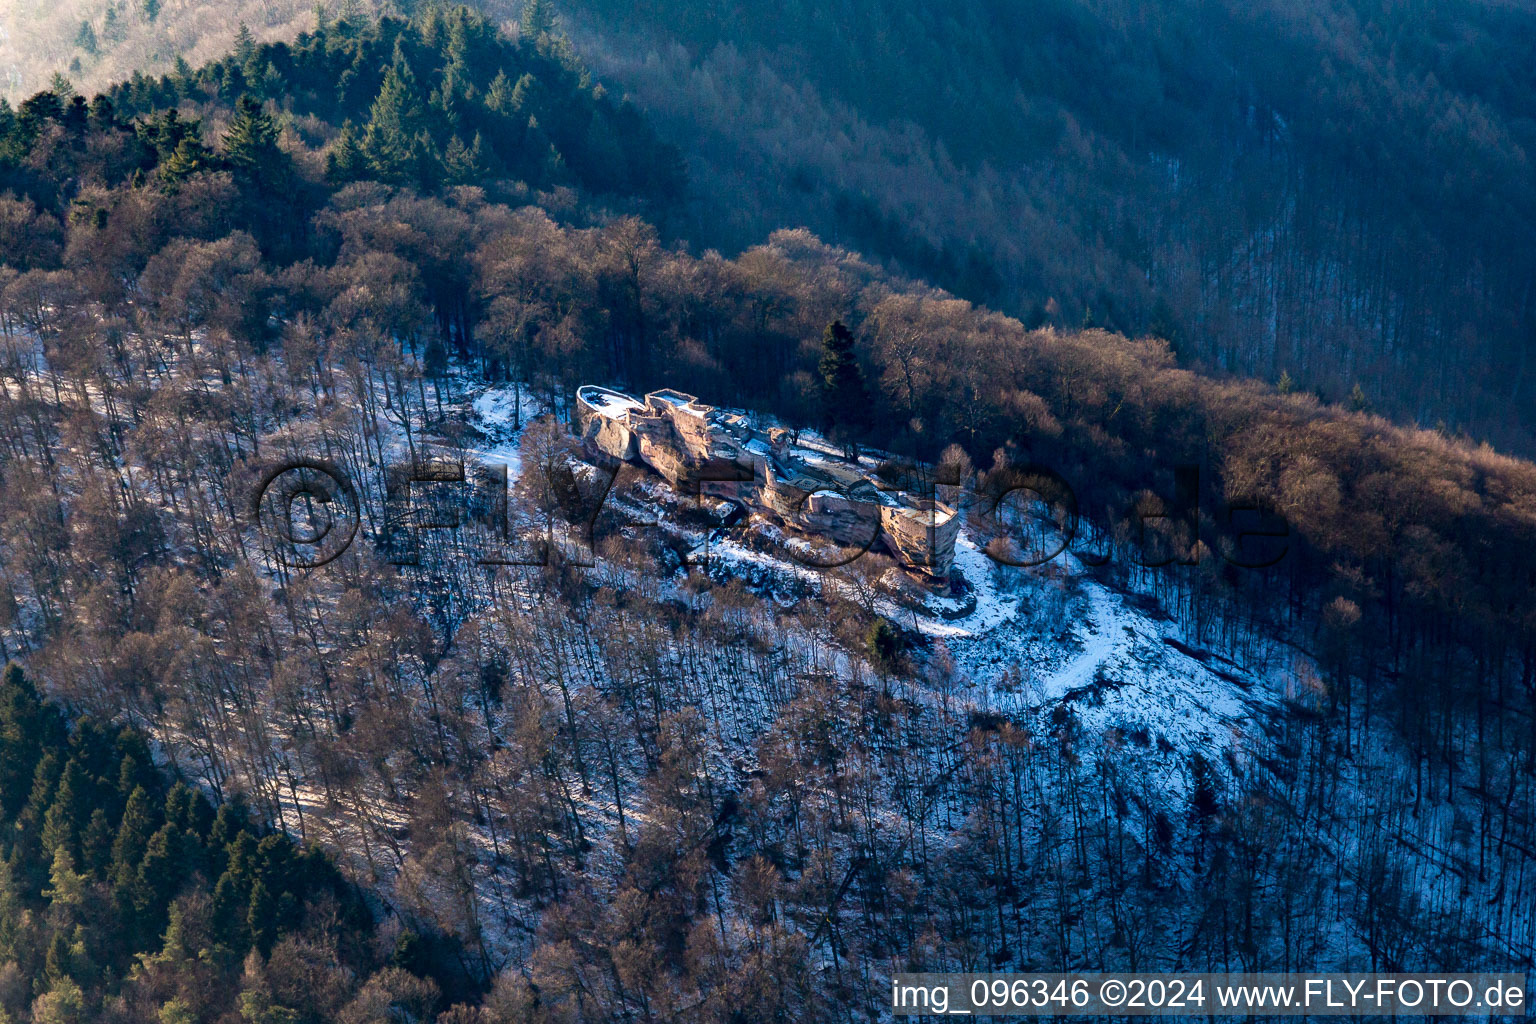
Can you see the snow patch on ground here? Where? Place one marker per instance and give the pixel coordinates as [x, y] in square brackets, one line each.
[502, 410]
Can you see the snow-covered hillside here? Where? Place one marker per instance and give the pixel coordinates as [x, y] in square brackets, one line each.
[1031, 644]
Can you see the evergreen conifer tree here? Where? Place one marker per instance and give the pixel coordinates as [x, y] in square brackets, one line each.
[190, 157]
[63, 1003]
[251, 149]
[85, 39]
[526, 95]
[181, 75]
[45, 783]
[245, 44]
[27, 727]
[66, 886]
[842, 384]
[96, 844]
[65, 818]
[498, 95]
[58, 963]
[133, 835]
[261, 917]
[538, 21]
[161, 870]
[231, 902]
[395, 142]
[463, 165]
[344, 162]
[231, 822]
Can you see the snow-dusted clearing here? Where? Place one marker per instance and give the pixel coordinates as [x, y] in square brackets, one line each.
[502, 412]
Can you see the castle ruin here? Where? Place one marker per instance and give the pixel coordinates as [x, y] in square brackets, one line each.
[699, 449]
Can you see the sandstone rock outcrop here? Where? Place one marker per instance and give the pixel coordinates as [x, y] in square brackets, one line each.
[701, 450]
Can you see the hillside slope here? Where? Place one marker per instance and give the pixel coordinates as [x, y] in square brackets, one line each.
[1336, 193]
[628, 781]
[38, 40]
[1334, 190]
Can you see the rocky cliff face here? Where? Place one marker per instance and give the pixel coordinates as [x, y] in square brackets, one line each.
[699, 451]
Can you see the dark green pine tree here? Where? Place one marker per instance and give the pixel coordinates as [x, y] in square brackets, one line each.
[59, 964]
[426, 165]
[464, 165]
[151, 9]
[29, 865]
[96, 844]
[445, 101]
[395, 144]
[843, 398]
[35, 113]
[232, 821]
[189, 158]
[27, 728]
[241, 858]
[255, 69]
[498, 95]
[136, 768]
[344, 162]
[883, 645]
[272, 84]
[252, 152]
[538, 20]
[133, 833]
[261, 917]
[85, 39]
[66, 886]
[67, 817]
[103, 115]
[411, 954]
[45, 783]
[182, 76]
[178, 805]
[227, 919]
[457, 45]
[245, 44]
[189, 809]
[76, 116]
[27, 870]
[527, 96]
[165, 866]
[540, 161]
[232, 894]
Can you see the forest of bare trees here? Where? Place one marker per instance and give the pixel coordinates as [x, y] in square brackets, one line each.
[635, 791]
